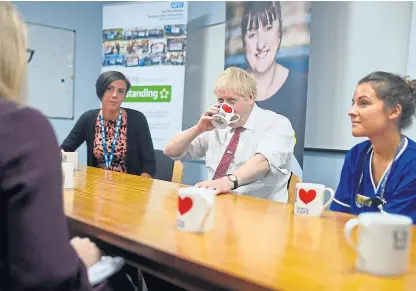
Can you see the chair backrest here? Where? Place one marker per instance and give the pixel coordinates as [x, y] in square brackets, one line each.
[177, 174]
[291, 189]
[168, 169]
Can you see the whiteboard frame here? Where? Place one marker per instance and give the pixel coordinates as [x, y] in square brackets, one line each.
[74, 61]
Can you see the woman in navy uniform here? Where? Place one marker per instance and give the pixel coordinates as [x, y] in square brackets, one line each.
[380, 174]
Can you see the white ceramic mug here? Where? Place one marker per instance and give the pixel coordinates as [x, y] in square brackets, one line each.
[70, 157]
[195, 212]
[68, 175]
[383, 242]
[225, 116]
[310, 199]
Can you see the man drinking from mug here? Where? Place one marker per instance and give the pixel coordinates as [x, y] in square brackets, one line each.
[252, 155]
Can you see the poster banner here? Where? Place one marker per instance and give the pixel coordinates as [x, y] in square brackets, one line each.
[271, 40]
[147, 43]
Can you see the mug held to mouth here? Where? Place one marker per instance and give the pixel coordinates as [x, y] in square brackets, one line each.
[225, 116]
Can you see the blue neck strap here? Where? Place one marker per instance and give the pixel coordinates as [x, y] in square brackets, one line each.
[109, 157]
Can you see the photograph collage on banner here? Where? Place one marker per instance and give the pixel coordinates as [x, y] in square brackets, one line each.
[153, 59]
[136, 47]
[271, 40]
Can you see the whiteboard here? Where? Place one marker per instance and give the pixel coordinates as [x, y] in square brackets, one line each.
[346, 45]
[51, 70]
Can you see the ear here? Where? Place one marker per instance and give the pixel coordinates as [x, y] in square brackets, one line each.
[251, 100]
[395, 112]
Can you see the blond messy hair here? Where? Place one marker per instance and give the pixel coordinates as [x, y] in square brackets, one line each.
[13, 55]
[237, 81]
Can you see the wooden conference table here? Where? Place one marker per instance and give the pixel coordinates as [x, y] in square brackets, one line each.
[255, 245]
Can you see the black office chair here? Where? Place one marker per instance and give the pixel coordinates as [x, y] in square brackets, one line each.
[168, 169]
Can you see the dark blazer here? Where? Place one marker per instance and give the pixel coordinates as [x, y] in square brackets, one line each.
[35, 253]
[140, 152]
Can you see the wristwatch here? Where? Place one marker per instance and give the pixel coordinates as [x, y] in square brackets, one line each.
[233, 178]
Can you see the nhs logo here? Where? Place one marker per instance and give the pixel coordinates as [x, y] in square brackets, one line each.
[176, 5]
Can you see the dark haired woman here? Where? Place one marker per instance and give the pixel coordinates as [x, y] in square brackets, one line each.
[278, 89]
[117, 138]
[380, 174]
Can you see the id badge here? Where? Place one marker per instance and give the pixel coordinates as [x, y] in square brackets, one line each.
[362, 200]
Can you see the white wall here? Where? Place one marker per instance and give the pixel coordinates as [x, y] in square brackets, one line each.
[204, 58]
[203, 67]
[86, 19]
[411, 61]
[350, 40]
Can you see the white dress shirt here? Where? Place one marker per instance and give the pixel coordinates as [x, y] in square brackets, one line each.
[266, 133]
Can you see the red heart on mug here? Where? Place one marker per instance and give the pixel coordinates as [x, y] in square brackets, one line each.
[184, 205]
[227, 108]
[307, 196]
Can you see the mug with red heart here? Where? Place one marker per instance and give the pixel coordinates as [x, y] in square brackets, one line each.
[310, 199]
[195, 209]
[225, 116]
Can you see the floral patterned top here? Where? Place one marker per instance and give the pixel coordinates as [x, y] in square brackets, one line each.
[118, 163]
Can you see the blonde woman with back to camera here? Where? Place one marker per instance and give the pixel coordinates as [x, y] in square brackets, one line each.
[35, 251]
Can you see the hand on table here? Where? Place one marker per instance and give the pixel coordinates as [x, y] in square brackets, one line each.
[86, 250]
[221, 185]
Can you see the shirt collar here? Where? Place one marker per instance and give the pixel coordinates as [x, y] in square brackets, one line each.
[251, 120]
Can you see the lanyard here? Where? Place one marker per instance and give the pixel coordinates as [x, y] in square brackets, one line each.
[109, 158]
[382, 187]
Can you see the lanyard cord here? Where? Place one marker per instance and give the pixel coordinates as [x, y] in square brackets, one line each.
[379, 200]
[109, 157]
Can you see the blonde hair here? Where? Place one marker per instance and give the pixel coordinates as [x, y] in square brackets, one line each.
[13, 55]
[237, 81]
